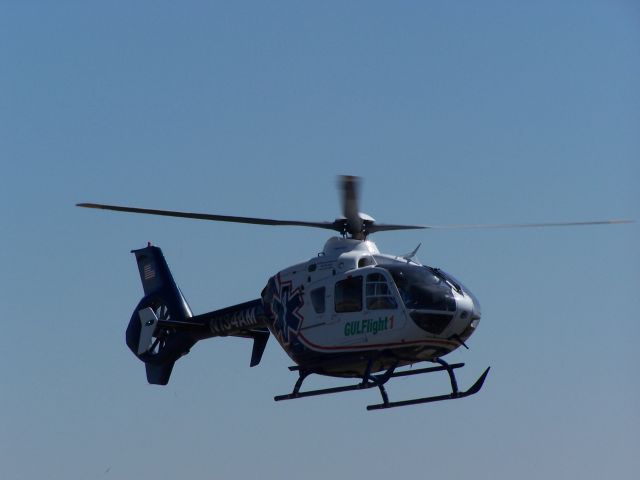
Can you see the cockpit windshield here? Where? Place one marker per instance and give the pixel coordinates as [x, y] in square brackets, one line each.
[420, 288]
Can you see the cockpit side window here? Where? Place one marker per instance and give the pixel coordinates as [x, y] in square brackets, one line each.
[379, 297]
[348, 295]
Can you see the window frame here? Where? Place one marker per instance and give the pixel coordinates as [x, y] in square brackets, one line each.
[382, 291]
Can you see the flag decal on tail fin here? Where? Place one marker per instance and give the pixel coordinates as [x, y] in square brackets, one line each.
[149, 272]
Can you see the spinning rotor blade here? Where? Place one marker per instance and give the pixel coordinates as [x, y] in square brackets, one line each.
[386, 227]
[340, 225]
[354, 223]
[349, 186]
[382, 227]
[337, 225]
[529, 225]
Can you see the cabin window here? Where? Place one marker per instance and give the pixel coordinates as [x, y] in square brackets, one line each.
[379, 297]
[348, 295]
[317, 299]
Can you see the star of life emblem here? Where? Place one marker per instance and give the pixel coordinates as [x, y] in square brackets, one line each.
[285, 307]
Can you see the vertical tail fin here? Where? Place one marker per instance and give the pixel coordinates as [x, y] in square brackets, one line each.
[157, 281]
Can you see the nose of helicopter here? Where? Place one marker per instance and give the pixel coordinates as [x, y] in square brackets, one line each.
[469, 318]
[476, 313]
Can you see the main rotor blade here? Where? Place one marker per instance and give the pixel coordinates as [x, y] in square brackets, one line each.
[338, 226]
[381, 227]
[385, 227]
[531, 225]
[349, 186]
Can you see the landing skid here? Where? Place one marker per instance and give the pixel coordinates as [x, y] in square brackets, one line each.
[371, 381]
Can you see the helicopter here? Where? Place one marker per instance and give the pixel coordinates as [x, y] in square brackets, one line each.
[348, 312]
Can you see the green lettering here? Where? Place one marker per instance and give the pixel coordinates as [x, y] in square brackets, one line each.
[367, 325]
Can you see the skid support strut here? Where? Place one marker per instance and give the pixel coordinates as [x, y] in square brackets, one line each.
[371, 381]
[368, 381]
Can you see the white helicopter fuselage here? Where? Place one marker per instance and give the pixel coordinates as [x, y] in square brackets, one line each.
[352, 299]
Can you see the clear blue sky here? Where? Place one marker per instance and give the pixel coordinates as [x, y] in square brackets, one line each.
[453, 112]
